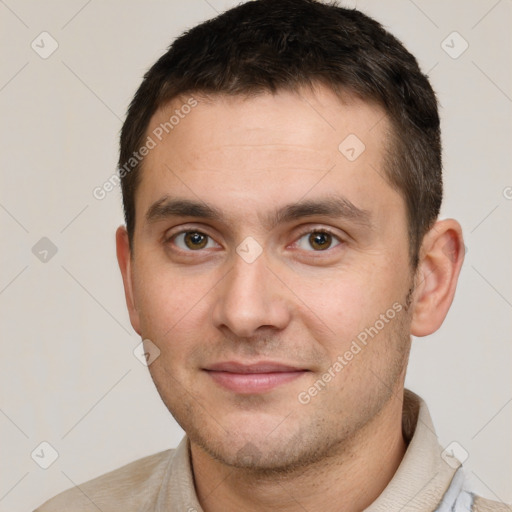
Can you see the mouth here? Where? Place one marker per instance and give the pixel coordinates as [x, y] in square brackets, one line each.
[253, 378]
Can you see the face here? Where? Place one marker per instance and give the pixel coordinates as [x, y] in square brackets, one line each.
[270, 268]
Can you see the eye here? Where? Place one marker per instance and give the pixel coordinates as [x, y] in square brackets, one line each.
[318, 241]
[193, 241]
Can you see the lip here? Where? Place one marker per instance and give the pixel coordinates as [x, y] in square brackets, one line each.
[253, 378]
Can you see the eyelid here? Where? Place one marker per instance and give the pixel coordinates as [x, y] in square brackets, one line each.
[185, 228]
[320, 229]
[316, 229]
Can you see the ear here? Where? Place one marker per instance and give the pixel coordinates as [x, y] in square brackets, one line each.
[124, 259]
[441, 257]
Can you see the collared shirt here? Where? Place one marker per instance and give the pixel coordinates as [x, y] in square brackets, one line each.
[427, 479]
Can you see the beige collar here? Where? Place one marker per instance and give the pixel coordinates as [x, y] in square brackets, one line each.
[418, 485]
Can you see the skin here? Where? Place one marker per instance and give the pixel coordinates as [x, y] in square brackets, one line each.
[294, 304]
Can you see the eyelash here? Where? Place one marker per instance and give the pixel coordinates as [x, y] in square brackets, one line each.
[326, 231]
[169, 239]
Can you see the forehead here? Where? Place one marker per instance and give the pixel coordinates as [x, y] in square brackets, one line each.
[254, 150]
[310, 121]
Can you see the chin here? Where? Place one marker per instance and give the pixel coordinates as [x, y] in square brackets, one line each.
[262, 449]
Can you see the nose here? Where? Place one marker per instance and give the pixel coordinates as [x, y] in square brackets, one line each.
[250, 299]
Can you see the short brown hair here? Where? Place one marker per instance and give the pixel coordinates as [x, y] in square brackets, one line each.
[271, 45]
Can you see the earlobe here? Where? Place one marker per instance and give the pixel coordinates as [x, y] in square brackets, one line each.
[441, 257]
[124, 260]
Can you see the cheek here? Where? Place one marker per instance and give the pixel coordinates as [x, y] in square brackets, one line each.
[170, 301]
[338, 302]
[340, 305]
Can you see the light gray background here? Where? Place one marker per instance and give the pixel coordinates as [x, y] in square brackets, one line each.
[68, 375]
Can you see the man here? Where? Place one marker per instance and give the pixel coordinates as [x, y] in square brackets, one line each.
[281, 177]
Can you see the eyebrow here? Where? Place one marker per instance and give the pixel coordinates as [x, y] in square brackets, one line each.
[330, 206]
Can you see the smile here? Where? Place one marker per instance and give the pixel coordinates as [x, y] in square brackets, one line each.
[253, 378]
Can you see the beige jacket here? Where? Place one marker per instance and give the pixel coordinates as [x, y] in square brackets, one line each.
[164, 481]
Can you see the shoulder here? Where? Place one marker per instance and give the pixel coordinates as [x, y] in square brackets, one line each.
[484, 505]
[130, 487]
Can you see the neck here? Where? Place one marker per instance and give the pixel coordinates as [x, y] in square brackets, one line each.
[349, 480]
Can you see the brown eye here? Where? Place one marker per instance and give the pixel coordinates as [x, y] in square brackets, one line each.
[320, 241]
[193, 241]
[317, 241]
